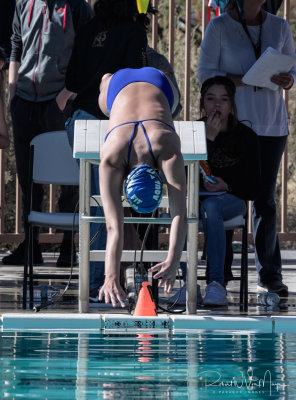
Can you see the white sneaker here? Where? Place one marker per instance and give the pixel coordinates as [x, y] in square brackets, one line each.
[215, 295]
[181, 299]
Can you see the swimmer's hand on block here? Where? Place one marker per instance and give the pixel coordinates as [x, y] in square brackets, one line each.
[206, 172]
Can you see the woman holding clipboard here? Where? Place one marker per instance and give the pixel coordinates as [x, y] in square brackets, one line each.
[232, 44]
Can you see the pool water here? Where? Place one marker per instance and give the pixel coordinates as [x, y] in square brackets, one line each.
[147, 366]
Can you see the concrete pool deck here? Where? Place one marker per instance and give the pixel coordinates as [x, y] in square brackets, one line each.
[102, 316]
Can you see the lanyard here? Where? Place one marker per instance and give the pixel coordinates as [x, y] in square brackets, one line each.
[257, 46]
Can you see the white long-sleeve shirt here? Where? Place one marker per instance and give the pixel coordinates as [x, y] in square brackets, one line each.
[226, 49]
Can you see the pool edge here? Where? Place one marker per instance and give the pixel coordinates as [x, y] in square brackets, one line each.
[176, 323]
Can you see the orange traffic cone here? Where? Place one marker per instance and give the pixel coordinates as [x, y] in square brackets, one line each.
[145, 305]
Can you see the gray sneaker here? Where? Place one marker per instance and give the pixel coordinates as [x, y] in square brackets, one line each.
[181, 300]
[215, 295]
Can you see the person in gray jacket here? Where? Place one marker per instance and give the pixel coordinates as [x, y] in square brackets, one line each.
[42, 42]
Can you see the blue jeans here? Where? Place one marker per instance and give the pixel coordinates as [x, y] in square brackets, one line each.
[97, 268]
[214, 210]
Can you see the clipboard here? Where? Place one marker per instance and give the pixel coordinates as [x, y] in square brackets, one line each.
[271, 62]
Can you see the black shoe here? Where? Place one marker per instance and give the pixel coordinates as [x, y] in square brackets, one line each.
[64, 259]
[277, 287]
[18, 255]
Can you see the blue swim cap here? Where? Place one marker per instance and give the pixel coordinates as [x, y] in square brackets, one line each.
[143, 189]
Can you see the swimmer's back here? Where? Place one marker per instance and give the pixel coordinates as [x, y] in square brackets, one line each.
[124, 77]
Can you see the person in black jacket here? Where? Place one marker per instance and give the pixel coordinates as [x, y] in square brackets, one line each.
[114, 39]
[233, 157]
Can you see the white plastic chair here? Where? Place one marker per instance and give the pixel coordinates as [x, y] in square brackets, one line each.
[51, 162]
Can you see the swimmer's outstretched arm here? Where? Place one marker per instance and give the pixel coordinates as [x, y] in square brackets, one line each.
[110, 187]
[174, 170]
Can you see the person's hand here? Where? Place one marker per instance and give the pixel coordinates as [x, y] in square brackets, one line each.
[220, 186]
[62, 98]
[113, 292]
[167, 275]
[213, 125]
[284, 80]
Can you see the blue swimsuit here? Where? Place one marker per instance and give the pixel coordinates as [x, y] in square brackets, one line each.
[126, 76]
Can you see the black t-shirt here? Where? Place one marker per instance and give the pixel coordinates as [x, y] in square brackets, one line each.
[234, 156]
[97, 52]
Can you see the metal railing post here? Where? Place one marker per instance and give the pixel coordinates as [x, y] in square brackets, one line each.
[284, 197]
[84, 230]
[171, 32]
[154, 25]
[192, 238]
[204, 16]
[187, 61]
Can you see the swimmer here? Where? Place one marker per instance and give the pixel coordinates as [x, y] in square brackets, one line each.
[141, 152]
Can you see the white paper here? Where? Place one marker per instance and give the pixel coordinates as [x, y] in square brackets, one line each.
[271, 62]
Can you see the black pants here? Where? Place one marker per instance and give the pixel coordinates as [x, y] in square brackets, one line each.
[30, 119]
[267, 249]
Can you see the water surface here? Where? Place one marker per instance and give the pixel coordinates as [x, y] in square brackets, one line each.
[147, 366]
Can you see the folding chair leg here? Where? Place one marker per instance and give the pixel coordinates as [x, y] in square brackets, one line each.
[27, 268]
[25, 278]
[28, 236]
[244, 271]
[30, 257]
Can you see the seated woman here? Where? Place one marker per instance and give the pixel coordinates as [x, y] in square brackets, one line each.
[4, 138]
[140, 143]
[233, 156]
